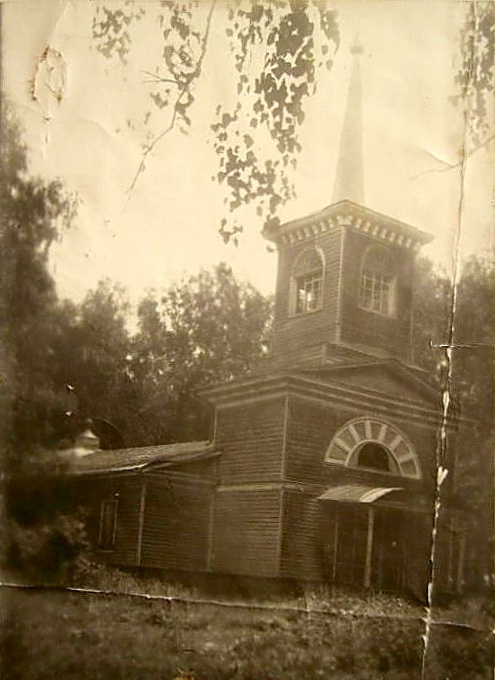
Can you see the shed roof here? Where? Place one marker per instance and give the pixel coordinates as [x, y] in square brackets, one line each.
[122, 460]
[357, 493]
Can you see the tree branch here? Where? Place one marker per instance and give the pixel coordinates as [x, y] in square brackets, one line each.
[159, 79]
[197, 72]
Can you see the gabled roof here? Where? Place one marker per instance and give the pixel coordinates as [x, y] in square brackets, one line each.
[406, 376]
[141, 458]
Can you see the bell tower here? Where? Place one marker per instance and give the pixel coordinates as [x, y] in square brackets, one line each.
[345, 273]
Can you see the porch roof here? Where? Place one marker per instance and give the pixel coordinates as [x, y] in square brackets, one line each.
[357, 493]
[141, 458]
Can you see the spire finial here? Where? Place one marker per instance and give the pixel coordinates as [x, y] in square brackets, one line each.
[349, 176]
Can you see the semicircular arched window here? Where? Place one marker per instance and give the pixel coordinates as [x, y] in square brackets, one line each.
[375, 456]
[307, 282]
[375, 445]
[377, 287]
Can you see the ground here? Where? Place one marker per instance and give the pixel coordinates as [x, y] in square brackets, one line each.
[62, 634]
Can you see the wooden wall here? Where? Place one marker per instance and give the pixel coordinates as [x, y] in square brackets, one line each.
[301, 553]
[127, 491]
[293, 332]
[248, 537]
[308, 541]
[163, 517]
[246, 517]
[304, 357]
[367, 328]
[176, 524]
[380, 379]
[250, 436]
[341, 318]
[311, 426]
[246, 531]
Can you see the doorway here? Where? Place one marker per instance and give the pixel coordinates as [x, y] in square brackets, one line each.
[365, 546]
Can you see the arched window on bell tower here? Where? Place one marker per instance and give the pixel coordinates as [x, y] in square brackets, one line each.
[307, 282]
[377, 287]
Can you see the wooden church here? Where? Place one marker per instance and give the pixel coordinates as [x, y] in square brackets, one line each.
[323, 464]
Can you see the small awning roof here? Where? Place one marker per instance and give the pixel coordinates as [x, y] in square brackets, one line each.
[357, 493]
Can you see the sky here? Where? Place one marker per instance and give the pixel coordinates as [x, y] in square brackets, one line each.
[168, 225]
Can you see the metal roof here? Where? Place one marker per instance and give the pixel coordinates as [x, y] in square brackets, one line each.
[357, 493]
[121, 460]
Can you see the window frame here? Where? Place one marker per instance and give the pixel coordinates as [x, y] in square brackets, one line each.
[110, 544]
[306, 283]
[301, 277]
[353, 434]
[378, 284]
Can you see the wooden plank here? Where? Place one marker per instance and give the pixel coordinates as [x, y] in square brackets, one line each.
[301, 556]
[246, 530]
[142, 504]
[251, 439]
[175, 532]
[369, 547]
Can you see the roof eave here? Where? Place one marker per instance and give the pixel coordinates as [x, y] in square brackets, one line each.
[148, 465]
[412, 236]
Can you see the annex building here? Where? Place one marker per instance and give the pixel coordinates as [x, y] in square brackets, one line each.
[323, 464]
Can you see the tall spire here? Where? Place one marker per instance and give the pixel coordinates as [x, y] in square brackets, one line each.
[349, 176]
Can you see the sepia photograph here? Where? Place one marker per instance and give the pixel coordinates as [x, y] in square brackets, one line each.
[247, 339]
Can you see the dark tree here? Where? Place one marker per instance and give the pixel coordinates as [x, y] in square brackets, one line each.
[33, 212]
[465, 321]
[92, 357]
[207, 329]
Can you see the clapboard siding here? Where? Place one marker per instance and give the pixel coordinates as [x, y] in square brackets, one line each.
[301, 555]
[341, 319]
[367, 328]
[379, 379]
[312, 425]
[250, 437]
[246, 532]
[293, 332]
[202, 469]
[175, 527]
[304, 357]
[126, 490]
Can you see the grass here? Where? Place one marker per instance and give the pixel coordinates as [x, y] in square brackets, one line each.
[88, 636]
